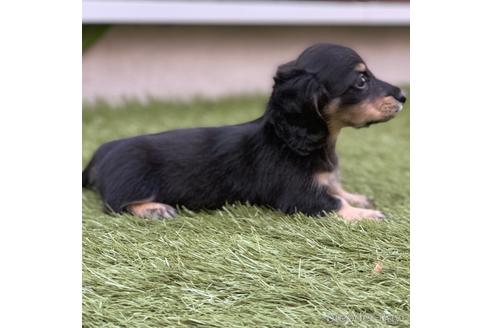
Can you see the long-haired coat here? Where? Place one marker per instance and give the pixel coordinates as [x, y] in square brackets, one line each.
[284, 160]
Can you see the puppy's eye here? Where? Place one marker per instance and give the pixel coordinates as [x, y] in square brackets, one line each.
[361, 82]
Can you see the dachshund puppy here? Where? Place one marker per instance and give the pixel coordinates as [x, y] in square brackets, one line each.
[285, 159]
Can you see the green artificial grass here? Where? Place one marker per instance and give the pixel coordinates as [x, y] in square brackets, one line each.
[245, 266]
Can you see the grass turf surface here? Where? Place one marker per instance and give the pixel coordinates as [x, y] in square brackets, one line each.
[246, 266]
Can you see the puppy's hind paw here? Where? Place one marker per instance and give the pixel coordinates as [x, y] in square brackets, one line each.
[155, 211]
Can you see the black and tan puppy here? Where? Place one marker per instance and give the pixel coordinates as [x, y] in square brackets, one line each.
[285, 159]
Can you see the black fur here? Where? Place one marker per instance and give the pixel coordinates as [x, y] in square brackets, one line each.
[270, 161]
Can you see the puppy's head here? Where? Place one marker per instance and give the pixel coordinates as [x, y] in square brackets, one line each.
[326, 88]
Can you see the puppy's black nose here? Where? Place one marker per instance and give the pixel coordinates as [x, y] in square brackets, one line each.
[401, 97]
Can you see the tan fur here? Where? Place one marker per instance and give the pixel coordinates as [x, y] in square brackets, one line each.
[152, 210]
[350, 213]
[332, 107]
[331, 180]
[378, 110]
[334, 125]
[360, 67]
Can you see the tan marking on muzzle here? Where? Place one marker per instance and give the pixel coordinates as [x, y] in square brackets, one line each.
[380, 109]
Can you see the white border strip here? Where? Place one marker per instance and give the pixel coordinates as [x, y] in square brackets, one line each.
[244, 13]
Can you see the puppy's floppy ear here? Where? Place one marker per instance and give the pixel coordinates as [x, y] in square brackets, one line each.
[294, 109]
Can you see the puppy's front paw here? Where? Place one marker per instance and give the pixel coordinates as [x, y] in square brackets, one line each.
[156, 211]
[359, 200]
[356, 214]
[350, 213]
